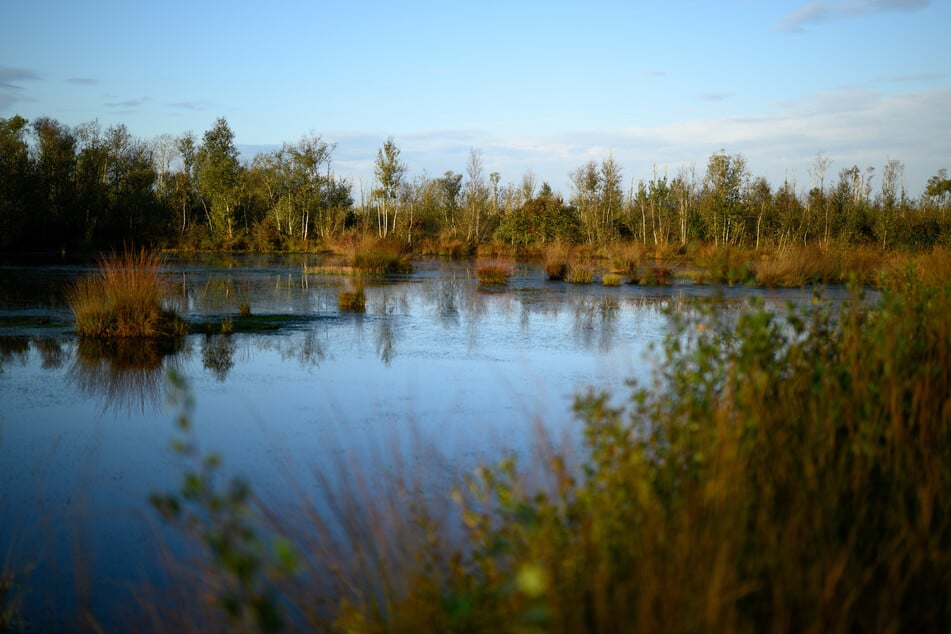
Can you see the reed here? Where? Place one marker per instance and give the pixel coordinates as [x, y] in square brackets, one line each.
[124, 298]
[611, 279]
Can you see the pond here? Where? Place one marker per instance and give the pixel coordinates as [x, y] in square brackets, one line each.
[435, 362]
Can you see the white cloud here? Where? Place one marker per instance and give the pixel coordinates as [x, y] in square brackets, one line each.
[852, 127]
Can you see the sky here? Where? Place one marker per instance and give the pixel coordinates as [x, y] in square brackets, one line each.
[542, 86]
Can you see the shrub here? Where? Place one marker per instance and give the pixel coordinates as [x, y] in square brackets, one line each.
[124, 299]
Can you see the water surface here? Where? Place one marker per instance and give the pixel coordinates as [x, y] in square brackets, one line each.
[434, 361]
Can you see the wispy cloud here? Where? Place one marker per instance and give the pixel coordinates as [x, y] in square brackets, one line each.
[714, 96]
[194, 106]
[82, 81]
[126, 106]
[853, 127]
[826, 11]
[917, 77]
[11, 79]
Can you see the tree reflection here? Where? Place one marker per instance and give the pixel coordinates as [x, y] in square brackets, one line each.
[385, 340]
[13, 348]
[128, 374]
[51, 352]
[217, 355]
[596, 317]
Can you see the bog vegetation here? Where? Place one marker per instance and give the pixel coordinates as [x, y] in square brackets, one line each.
[780, 472]
[88, 188]
[124, 298]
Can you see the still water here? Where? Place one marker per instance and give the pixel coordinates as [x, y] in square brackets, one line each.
[434, 361]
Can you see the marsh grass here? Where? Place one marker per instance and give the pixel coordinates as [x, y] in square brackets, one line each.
[724, 265]
[812, 264]
[493, 273]
[378, 255]
[611, 279]
[653, 275]
[580, 274]
[779, 472]
[557, 259]
[626, 259]
[124, 298]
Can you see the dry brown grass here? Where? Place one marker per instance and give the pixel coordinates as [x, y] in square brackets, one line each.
[124, 298]
[580, 274]
[557, 258]
[494, 273]
[377, 255]
[804, 266]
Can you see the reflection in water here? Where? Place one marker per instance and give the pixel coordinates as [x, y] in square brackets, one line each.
[128, 375]
[217, 355]
[385, 340]
[51, 352]
[309, 349]
[13, 348]
[596, 317]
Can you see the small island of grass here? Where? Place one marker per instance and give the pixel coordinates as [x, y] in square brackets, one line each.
[124, 299]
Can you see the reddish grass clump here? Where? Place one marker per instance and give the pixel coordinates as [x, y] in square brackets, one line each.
[494, 273]
[124, 298]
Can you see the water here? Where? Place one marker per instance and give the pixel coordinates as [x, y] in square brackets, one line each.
[434, 361]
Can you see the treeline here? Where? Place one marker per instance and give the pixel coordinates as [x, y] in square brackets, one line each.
[84, 187]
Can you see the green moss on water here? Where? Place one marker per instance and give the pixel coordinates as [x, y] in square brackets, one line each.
[249, 323]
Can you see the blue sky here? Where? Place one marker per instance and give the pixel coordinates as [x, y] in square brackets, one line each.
[545, 86]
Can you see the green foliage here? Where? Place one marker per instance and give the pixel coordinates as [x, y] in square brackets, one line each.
[540, 221]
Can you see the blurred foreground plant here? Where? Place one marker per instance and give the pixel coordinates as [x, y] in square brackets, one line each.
[781, 472]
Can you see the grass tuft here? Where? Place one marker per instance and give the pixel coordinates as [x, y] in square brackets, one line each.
[378, 256]
[124, 298]
[579, 274]
[611, 279]
[494, 273]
